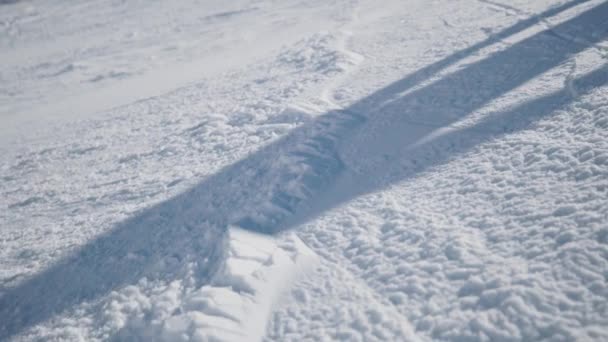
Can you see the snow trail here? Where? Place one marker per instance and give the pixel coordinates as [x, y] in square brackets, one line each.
[330, 91]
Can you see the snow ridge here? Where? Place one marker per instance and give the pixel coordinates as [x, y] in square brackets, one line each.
[311, 163]
[237, 302]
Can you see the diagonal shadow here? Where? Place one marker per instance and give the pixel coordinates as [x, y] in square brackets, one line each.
[365, 135]
[421, 75]
[290, 180]
[427, 153]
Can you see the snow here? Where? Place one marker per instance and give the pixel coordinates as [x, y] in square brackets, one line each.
[234, 306]
[320, 170]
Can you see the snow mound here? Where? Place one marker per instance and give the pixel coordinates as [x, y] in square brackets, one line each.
[238, 301]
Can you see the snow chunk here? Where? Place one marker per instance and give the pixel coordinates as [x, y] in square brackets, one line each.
[237, 303]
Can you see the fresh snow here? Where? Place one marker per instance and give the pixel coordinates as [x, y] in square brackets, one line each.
[256, 170]
[236, 303]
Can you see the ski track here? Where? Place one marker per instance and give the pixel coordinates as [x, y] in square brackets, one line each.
[410, 226]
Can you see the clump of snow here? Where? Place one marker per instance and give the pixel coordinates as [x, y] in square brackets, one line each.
[237, 303]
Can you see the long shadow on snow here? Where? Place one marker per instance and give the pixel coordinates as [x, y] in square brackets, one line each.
[263, 192]
[427, 71]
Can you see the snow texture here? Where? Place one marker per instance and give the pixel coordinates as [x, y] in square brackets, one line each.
[290, 171]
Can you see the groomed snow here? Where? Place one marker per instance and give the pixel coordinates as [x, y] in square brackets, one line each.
[304, 170]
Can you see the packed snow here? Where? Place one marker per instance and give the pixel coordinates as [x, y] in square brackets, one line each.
[261, 170]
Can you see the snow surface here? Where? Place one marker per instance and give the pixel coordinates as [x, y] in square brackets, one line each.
[303, 170]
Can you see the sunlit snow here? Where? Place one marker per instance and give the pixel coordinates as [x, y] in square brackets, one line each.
[258, 170]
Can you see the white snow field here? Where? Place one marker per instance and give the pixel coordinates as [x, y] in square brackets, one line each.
[259, 170]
